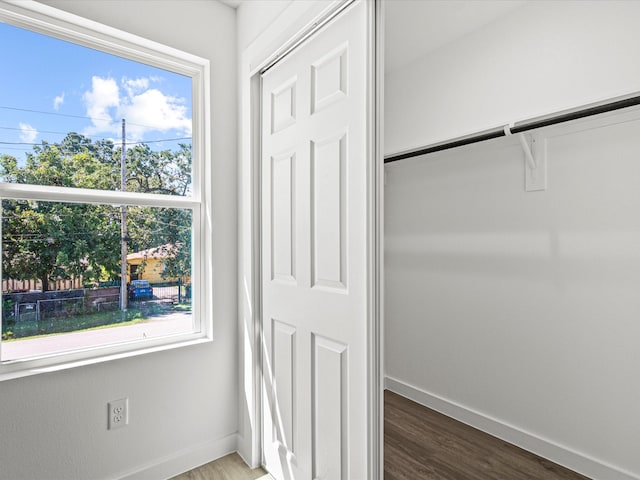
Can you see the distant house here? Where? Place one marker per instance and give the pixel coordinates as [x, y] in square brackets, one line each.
[149, 264]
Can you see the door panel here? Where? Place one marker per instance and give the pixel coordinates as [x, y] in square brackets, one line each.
[329, 78]
[314, 263]
[328, 212]
[330, 411]
[283, 106]
[283, 359]
[283, 189]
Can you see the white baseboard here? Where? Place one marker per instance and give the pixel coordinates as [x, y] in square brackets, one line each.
[185, 460]
[559, 454]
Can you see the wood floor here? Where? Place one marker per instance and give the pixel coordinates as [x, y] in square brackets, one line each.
[231, 467]
[420, 443]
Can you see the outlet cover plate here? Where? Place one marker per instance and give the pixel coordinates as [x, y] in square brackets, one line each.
[118, 413]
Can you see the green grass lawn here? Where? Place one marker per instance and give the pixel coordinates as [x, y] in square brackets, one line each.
[72, 323]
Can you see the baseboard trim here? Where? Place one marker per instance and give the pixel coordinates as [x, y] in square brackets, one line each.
[559, 454]
[184, 460]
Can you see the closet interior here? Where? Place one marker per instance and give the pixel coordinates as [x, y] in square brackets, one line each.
[512, 232]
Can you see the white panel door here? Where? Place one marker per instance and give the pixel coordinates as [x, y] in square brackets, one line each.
[314, 255]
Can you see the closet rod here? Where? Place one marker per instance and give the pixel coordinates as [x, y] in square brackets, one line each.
[521, 127]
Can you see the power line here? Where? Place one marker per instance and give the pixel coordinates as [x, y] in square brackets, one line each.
[42, 112]
[17, 149]
[33, 130]
[159, 141]
[94, 138]
[5, 107]
[57, 144]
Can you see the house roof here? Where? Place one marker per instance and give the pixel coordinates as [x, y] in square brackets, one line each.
[162, 251]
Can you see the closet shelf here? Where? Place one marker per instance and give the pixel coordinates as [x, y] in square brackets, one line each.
[611, 105]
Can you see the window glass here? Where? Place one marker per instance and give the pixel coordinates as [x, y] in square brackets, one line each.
[102, 194]
[61, 265]
[66, 111]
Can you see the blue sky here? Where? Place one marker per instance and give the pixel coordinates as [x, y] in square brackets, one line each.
[49, 87]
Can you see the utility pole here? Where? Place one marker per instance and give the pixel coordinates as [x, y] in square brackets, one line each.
[123, 224]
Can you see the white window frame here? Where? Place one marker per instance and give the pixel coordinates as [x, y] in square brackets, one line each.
[66, 26]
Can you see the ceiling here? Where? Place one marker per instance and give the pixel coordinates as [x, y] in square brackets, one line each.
[414, 28]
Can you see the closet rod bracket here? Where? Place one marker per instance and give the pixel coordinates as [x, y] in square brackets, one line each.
[535, 155]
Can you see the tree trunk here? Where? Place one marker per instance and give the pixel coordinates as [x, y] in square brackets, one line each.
[45, 283]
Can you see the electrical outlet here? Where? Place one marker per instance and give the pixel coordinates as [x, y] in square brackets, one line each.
[118, 413]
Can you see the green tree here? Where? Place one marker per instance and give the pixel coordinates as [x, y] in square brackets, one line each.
[166, 172]
[49, 240]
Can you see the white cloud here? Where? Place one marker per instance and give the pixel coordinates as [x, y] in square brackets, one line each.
[153, 110]
[135, 85]
[103, 96]
[27, 133]
[57, 101]
[145, 109]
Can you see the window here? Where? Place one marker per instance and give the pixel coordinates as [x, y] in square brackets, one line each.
[104, 199]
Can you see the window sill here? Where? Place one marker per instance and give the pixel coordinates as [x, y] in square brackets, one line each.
[13, 369]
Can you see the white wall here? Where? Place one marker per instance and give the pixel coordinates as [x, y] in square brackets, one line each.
[254, 18]
[183, 402]
[538, 59]
[519, 312]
